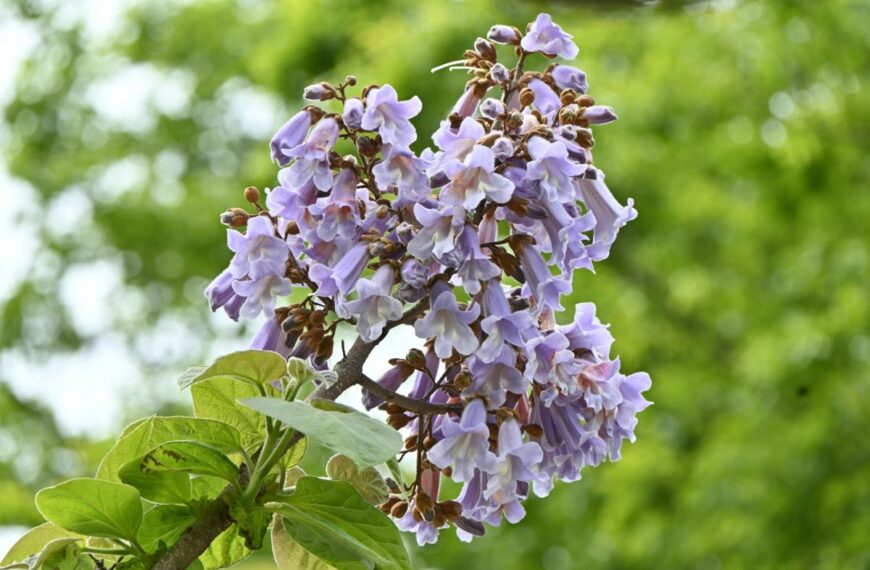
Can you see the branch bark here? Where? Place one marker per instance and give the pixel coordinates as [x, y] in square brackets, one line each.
[215, 517]
[410, 404]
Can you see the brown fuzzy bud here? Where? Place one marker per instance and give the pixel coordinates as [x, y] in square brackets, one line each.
[429, 442]
[416, 359]
[585, 138]
[585, 100]
[451, 509]
[566, 97]
[485, 49]
[527, 97]
[235, 218]
[411, 442]
[252, 195]
[398, 421]
[462, 380]
[399, 509]
[504, 414]
[350, 80]
[382, 212]
[367, 147]
[534, 430]
[514, 121]
[423, 501]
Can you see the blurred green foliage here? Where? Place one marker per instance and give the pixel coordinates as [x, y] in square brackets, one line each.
[742, 287]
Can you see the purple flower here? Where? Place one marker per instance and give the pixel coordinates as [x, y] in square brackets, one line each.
[375, 306]
[271, 337]
[492, 379]
[414, 274]
[499, 73]
[544, 287]
[475, 266]
[455, 144]
[492, 108]
[625, 419]
[465, 446]
[261, 288]
[439, 231]
[312, 157]
[404, 170]
[289, 136]
[503, 148]
[500, 324]
[610, 216]
[257, 244]
[426, 532]
[547, 37]
[599, 385]
[599, 115]
[553, 169]
[467, 103]
[515, 463]
[567, 77]
[546, 100]
[341, 278]
[338, 212]
[475, 179]
[389, 116]
[220, 293]
[353, 113]
[501, 34]
[587, 333]
[448, 324]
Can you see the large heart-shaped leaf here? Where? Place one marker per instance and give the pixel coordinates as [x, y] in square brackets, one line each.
[289, 554]
[164, 523]
[93, 507]
[368, 482]
[190, 457]
[331, 521]
[363, 439]
[156, 486]
[141, 437]
[227, 549]
[35, 540]
[218, 399]
[252, 366]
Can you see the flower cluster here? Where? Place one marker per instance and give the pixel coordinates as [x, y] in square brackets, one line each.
[473, 243]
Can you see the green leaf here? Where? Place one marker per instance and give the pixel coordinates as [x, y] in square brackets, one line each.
[255, 367]
[159, 486]
[292, 476]
[190, 457]
[141, 437]
[164, 523]
[93, 507]
[368, 482]
[62, 554]
[218, 399]
[206, 488]
[331, 521]
[34, 541]
[365, 440]
[295, 454]
[227, 549]
[289, 554]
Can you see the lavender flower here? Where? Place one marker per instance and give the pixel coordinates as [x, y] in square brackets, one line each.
[257, 244]
[402, 169]
[475, 179]
[312, 156]
[448, 324]
[568, 77]
[504, 35]
[389, 116]
[547, 37]
[341, 278]
[610, 216]
[553, 169]
[439, 232]
[515, 464]
[599, 115]
[353, 113]
[465, 445]
[260, 289]
[375, 306]
[220, 294]
[289, 136]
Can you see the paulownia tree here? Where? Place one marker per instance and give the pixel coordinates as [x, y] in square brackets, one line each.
[473, 244]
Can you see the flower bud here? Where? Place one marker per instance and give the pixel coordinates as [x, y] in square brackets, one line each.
[527, 97]
[367, 147]
[485, 49]
[514, 120]
[235, 218]
[350, 80]
[567, 77]
[492, 108]
[399, 509]
[353, 113]
[408, 294]
[319, 92]
[499, 74]
[501, 34]
[566, 97]
[599, 115]
[252, 195]
[585, 101]
[503, 148]
[405, 232]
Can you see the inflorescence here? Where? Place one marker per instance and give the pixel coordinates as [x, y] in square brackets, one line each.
[473, 244]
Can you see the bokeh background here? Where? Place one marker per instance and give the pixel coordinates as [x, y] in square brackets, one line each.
[742, 287]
